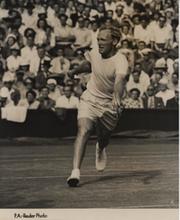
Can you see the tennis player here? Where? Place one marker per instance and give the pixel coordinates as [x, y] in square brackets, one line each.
[100, 103]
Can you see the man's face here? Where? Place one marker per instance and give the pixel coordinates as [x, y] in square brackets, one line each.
[136, 76]
[67, 91]
[136, 20]
[60, 52]
[56, 8]
[174, 79]
[134, 95]
[81, 22]
[87, 11]
[158, 76]
[125, 44]
[45, 93]
[30, 41]
[101, 7]
[144, 23]
[162, 22]
[3, 4]
[51, 87]
[177, 95]
[80, 8]
[119, 11]
[41, 52]
[109, 14]
[163, 87]
[63, 20]
[150, 91]
[137, 67]
[30, 98]
[176, 67]
[125, 29]
[14, 52]
[105, 42]
[94, 26]
[156, 17]
[141, 45]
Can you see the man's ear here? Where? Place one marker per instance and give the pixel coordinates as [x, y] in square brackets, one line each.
[115, 42]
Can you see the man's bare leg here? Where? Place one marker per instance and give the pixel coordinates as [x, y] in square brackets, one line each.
[103, 137]
[85, 127]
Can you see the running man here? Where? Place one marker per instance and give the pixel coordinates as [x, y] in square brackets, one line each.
[100, 103]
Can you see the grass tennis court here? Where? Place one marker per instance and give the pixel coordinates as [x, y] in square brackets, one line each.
[141, 173]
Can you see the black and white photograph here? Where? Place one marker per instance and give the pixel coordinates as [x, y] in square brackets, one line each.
[89, 109]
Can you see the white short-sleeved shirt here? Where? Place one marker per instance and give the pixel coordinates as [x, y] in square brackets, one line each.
[104, 72]
[64, 102]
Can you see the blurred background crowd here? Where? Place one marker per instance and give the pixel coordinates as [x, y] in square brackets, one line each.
[41, 40]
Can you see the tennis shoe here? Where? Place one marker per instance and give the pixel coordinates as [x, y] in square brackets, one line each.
[101, 158]
[74, 179]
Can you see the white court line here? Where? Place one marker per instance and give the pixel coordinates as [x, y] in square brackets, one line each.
[65, 176]
[14, 159]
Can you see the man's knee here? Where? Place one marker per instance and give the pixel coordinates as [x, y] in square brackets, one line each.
[84, 129]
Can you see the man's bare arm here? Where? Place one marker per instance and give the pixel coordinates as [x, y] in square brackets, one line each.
[84, 67]
[119, 88]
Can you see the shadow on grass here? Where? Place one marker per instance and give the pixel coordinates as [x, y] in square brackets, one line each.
[146, 176]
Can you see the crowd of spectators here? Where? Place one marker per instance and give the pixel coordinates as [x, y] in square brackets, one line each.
[41, 40]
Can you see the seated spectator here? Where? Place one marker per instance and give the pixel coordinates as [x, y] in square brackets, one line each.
[10, 41]
[67, 101]
[162, 34]
[138, 55]
[176, 66]
[28, 86]
[148, 61]
[51, 41]
[64, 34]
[79, 57]
[150, 101]
[41, 36]
[77, 88]
[110, 5]
[94, 33]
[15, 99]
[174, 82]
[29, 51]
[173, 103]
[126, 33]
[59, 64]
[36, 64]
[128, 52]
[30, 101]
[164, 92]
[166, 61]
[133, 101]
[82, 35]
[46, 103]
[118, 14]
[136, 82]
[142, 32]
[54, 90]
[8, 81]
[13, 61]
[28, 18]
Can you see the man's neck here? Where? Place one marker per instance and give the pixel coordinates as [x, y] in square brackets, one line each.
[110, 54]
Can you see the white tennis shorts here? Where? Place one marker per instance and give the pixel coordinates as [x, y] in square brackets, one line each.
[98, 109]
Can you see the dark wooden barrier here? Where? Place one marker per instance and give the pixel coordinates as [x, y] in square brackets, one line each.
[49, 124]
